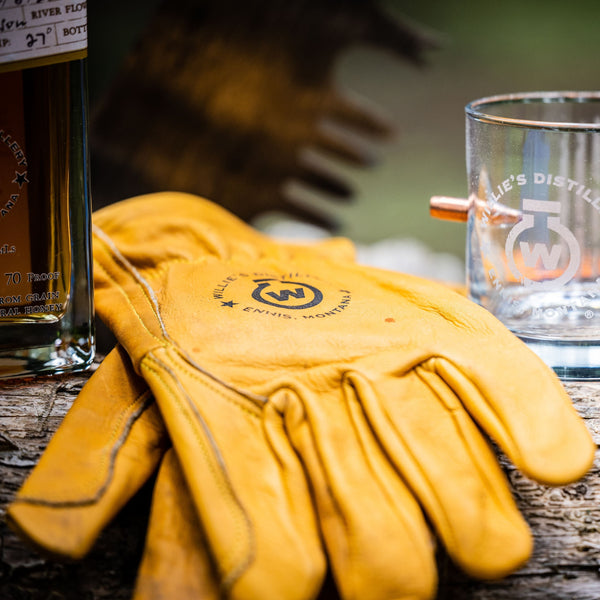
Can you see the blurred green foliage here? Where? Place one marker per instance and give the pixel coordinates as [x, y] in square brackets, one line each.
[485, 48]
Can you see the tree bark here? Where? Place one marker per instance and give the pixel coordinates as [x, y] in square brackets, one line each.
[565, 521]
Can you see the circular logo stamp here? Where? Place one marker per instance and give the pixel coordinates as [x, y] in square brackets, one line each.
[281, 293]
[290, 296]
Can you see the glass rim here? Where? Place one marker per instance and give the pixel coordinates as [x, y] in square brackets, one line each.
[476, 109]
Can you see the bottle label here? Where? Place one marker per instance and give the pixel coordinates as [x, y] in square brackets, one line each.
[34, 249]
[36, 32]
[15, 245]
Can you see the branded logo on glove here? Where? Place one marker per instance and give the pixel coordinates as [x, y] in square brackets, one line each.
[286, 294]
[283, 296]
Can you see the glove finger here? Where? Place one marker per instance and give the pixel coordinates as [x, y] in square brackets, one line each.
[108, 445]
[176, 563]
[511, 393]
[451, 468]
[246, 483]
[526, 411]
[378, 541]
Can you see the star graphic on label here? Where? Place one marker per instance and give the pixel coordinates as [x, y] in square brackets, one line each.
[229, 304]
[20, 178]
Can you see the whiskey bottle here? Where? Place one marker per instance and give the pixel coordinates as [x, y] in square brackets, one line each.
[46, 311]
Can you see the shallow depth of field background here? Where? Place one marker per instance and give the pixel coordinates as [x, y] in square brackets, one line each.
[485, 48]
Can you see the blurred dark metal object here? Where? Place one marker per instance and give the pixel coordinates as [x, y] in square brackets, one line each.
[222, 98]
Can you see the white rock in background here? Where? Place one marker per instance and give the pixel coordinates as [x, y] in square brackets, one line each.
[414, 257]
[397, 254]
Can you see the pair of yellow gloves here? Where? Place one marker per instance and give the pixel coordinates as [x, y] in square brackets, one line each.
[321, 414]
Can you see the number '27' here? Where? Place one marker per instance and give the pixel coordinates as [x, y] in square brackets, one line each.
[32, 39]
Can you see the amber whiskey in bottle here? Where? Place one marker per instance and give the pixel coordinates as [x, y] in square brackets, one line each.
[46, 311]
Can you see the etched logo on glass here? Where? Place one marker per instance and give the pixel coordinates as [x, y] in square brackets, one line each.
[541, 251]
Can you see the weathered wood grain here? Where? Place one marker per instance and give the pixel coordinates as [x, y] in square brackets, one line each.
[565, 521]
[30, 412]
[566, 527]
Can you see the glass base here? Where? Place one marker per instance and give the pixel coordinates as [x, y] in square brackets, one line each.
[570, 360]
[43, 361]
[28, 349]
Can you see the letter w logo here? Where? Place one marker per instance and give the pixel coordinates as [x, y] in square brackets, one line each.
[531, 256]
[284, 296]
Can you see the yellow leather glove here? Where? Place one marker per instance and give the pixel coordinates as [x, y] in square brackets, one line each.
[176, 563]
[109, 444]
[380, 384]
[305, 387]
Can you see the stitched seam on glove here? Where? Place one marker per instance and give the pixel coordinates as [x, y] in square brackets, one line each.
[150, 296]
[495, 424]
[356, 405]
[128, 267]
[411, 461]
[498, 495]
[221, 476]
[241, 396]
[145, 401]
[438, 508]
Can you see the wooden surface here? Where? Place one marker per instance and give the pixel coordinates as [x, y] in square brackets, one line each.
[30, 411]
[566, 527]
[565, 521]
